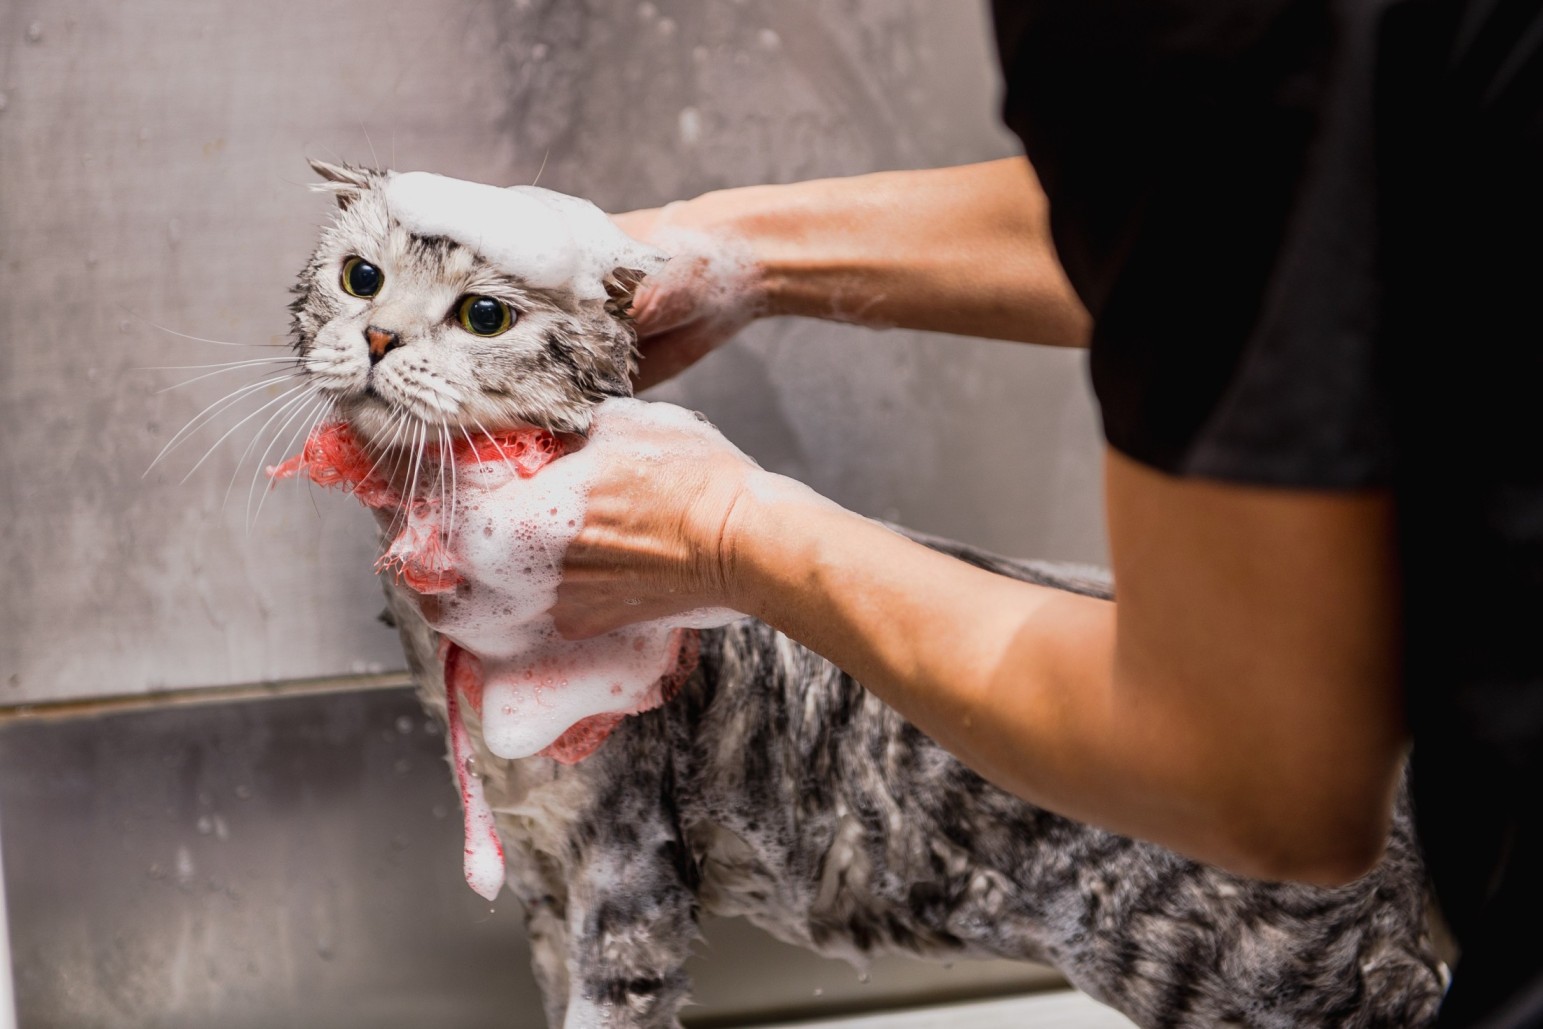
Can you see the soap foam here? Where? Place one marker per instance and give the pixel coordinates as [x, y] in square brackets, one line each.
[483, 861]
[510, 541]
[512, 529]
[547, 240]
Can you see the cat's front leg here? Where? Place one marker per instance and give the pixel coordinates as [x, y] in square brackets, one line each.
[631, 918]
[548, 934]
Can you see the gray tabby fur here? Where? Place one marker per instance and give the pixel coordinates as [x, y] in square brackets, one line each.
[775, 787]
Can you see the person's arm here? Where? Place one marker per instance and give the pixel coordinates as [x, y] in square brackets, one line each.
[963, 250]
[1240, 705]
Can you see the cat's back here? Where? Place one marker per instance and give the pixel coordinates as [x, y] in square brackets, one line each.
[817, 812]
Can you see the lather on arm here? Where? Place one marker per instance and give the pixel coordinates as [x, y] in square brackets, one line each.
[964, 250]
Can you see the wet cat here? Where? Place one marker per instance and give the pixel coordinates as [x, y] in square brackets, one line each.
[771, 785]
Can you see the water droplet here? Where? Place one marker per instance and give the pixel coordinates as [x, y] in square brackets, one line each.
[4, 102]
[404, 724]
[819, 991]
[185, 868]
[324, 950]
[647, 11]
[243, 792]
[863, 977]
[538, 52]
[768, 39]
[35, 32]
[700, 54]
[666, 27]
[402, 766]
[690, 125]
[205, 825]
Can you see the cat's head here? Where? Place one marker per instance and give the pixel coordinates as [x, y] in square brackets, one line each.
[463, 308]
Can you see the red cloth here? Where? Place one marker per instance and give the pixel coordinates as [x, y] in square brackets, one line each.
[334, 457]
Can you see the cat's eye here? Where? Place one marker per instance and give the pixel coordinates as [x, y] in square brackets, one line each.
[361, 278]
[484, 316]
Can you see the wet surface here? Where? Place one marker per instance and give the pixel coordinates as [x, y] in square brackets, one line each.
[297, 861]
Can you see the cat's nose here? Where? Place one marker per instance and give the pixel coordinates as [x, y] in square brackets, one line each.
[381, 342]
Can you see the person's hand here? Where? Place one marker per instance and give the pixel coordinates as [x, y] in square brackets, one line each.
[636, 524]
[655, 542]
[709, 291]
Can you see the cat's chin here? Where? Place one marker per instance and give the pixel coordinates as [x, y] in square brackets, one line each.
[380, 425]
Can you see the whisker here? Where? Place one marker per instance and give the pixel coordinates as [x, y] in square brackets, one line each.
[470, 446]
[213, 411]
[410, 453]
[420, 443]
[200, 339]
[215, 446]
[439, 465]
[396, 432]
[292, 408]
[398, 476]
[244, 363]
[241, 461]
[218, 369]
[454, 487]
[263, 458]
[373, 158]
[496, 446]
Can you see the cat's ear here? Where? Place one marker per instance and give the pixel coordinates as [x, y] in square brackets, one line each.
[344, 181]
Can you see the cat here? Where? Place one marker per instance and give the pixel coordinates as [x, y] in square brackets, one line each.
[772, 785]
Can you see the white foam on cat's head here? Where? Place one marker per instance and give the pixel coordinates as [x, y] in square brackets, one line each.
[548, 240]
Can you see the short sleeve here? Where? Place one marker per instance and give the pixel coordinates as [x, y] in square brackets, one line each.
[1212, 182]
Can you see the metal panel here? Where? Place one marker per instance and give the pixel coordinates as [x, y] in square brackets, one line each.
[151, 183]
[296, 861]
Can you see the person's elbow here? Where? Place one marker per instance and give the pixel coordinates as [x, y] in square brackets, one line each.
[1326, 835]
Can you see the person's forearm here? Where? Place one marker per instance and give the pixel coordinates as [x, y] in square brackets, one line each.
[1020, 682]
[964, 250]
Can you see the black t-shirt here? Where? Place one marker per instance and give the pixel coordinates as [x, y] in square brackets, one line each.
[1310, 233]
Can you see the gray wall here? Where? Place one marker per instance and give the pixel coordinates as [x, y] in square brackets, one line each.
[152, 183]
[273, 861]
